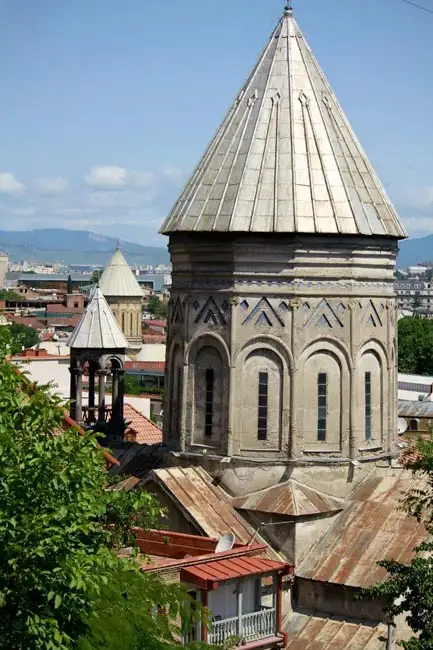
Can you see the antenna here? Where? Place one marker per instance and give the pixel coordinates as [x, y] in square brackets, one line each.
[401, 426]
[226, 543]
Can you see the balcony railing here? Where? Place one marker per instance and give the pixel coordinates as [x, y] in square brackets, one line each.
[250, 627]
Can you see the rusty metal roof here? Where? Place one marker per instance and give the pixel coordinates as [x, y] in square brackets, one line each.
[208, 575]
[290, 498]
[207, 506]
[371, 528]
[321, 633]
[407, 408]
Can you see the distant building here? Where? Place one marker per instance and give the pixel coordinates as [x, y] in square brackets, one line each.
[125, 296]
[413, 295]
[4, 261]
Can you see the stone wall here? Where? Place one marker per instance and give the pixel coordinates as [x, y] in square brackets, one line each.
[293, 311]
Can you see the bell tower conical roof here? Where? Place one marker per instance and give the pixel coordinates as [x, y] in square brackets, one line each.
[285, 159]
[118, 279]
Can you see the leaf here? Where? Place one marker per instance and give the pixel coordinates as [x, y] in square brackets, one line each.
[57, 601]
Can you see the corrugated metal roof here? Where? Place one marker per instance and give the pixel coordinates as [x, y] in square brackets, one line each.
[285, 158]
[118, 280]
[206, 575]
[316, 633]
[98, 329]
[290, 498]
[371, 528]
[407, 408]
[207, 505]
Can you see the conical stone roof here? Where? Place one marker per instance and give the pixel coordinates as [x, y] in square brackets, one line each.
[98, 329]
[118, 279]
[285, 159]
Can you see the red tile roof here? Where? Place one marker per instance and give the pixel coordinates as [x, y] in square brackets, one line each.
[140, 428]
[58, 308]
[30, 321]
[150, 366]
[72, 320]
[208, 575]
[156, 323]
[154, 338]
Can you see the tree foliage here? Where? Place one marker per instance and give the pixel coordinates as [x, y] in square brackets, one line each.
[156, 307]
[60, 532]
[415, 345]
[96, 276]
[409, 588]
[17, 337]
[9, 294]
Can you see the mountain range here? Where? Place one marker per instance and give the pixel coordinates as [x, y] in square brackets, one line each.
[85, 247]
[74, 247]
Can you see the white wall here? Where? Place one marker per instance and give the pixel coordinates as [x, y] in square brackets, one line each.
[43, 371]
[222, 601]
[151, 352]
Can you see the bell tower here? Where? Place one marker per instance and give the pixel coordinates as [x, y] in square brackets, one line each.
[98, 349]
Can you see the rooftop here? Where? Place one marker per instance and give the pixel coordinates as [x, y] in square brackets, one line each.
[140, 428]
[372, 526]
[118, 280]
[285, 159]
[98, 329]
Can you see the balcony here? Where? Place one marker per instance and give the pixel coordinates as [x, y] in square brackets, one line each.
[248, 627]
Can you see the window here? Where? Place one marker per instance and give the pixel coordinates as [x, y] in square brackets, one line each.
[262, 429]
[209, 402]
[322, 405]
[413, 425]
[367, 389]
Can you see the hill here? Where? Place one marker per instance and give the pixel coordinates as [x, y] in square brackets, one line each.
[415, 251]
[74, 247]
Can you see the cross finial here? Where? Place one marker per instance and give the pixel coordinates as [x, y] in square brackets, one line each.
[288, 9]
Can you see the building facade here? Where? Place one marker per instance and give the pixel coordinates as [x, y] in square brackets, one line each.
[282, 323]
[4, 262]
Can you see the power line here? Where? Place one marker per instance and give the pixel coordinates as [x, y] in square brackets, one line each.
[414, 4]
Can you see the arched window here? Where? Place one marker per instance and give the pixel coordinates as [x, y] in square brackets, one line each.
[208, 396]
[262, 399]
[131, 320]
[370, 393]
[413, 425]
[322, 390]
[123, 321]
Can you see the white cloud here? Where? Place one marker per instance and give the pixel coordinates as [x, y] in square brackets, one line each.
[175, 174]
[51, 186]
[29, 211]
[10, 185]
[113, 177]
[106, 177]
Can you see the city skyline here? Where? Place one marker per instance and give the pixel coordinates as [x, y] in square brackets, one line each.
[106, 110]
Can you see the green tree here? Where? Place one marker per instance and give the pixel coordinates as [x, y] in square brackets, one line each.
[9, 294]
[15, 337]
[60, 533]
[96, 276]
[409, 588]
[415, 345]
[156, 307]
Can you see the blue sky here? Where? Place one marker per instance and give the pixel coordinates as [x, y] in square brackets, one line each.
[107, 105]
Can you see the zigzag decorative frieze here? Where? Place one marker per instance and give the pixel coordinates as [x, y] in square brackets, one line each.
[176, 312]
[210, 314]
[325, 316]
[263, 314]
